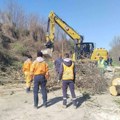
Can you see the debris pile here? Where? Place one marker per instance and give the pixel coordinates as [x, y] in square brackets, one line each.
[89, 78]
[52, 83]
[10, 75]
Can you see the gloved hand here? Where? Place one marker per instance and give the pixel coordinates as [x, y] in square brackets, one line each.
[58, 81]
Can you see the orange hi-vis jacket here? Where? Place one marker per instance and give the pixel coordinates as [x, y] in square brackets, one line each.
[68, 72]
[39, 68]
[26, 66]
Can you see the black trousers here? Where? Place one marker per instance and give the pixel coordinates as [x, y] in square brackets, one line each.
[65, 84]
[40, 80]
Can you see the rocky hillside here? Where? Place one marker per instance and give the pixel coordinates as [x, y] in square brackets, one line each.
[15, 44]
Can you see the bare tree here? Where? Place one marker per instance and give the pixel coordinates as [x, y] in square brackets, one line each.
[115, 48]
[36, 28]
[16, 14]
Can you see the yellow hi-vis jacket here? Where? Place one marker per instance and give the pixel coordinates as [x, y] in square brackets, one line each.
[26, 66]
[101, 64]
[40, 68]
[68, 72]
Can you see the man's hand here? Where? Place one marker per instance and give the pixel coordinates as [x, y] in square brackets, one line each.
[74, 81]
[58, 81]
[31, 81]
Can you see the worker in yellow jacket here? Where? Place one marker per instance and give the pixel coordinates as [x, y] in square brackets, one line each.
[26, 70]
[101, 65]
[67, 74]
[39, 70]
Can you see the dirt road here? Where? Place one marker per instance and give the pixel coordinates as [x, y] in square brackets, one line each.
[16, 104]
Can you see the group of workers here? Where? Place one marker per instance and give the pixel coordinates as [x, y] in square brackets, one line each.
[38, 72]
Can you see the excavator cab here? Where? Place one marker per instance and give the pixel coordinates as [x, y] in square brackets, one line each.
[87, 49]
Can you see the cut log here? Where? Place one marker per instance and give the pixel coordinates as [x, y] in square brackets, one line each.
[115, 90]
[116, 82]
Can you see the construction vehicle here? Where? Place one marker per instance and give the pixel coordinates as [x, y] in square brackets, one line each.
[97, 52]
[81, 49]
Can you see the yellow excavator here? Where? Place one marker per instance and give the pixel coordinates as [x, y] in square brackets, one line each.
[81, 49]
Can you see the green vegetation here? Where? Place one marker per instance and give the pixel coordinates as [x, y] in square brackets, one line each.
[19, 48]
[116, 63]
[50, 64]
[117, 102]
[17, 65]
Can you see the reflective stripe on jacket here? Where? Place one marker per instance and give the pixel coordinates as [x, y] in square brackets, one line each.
[68, 72]
[101, 64]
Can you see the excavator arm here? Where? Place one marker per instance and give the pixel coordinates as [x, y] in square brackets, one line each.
[50, 36]
[53, 19]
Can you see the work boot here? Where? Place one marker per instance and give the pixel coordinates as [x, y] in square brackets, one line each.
[36, 107]
[64, 103]
[74, 104]
[28, 90]
[45, 105]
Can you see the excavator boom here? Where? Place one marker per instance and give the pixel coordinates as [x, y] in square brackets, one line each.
[53, 18]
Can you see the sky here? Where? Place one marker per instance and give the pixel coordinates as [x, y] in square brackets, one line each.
[97, 20]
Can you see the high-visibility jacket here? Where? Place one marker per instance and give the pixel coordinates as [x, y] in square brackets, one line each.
[73, 57]
[68, 72]
[40, 68]
[101, 64]
[26, 66]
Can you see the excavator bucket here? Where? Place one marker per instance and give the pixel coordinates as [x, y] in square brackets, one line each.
[47, 53]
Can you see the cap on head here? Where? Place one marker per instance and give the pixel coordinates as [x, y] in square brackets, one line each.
[39, 54]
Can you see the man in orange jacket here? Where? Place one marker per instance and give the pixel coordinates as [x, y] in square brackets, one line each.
[39, 70]
[26, 70]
